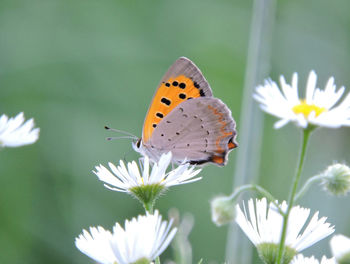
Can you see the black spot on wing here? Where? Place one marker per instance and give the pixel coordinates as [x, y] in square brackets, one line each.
[160, 115]
[182, 96]
[182, 85]
[165, 101]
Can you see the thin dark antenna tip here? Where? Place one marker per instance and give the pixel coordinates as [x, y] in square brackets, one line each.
[109, 138]
[127, 134]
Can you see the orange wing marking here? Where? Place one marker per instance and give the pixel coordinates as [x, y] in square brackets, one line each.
[218, 160]
[222, 130]
[169, 94]
[231, 145]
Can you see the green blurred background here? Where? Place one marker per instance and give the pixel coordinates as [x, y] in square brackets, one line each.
[76, 66]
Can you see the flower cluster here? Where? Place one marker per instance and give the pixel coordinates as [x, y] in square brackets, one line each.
[279, 231]
[146, 237]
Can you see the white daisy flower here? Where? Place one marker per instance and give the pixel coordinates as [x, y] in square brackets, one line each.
[141, 241]
[340, 247]
[300, 259]
[145, 186]
[263, 225]
[13, 133]
[319, 108]
[125, 178]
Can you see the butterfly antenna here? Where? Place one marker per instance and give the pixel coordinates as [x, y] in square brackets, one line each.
[132, 136]
[121, 137]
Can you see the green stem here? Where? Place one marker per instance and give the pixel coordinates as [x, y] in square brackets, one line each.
[157, 260]
[306, 135]
[258, 189]
[307, 185]
[148, 207]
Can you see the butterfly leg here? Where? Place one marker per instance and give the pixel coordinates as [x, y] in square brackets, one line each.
[141, 161]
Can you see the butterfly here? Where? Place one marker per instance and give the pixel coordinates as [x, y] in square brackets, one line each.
[187, 120]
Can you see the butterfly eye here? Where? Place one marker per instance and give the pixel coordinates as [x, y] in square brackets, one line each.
[138, 143]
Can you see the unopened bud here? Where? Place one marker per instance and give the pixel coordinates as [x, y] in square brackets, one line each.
[336, 179]
[222, 210]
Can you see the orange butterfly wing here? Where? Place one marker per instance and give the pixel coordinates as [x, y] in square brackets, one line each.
[182, 81]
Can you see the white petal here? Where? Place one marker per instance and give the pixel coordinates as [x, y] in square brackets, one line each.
[265, 225]
[142, 237]
[123, 179]
[13, 133]
[300, 259]
[310, 88]
[340, 246]
[281, 123]
[96, 245]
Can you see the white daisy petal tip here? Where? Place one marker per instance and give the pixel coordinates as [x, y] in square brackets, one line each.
[300, 259]
[263, 224]
[14, 132]
[141, 240]
[319, 108]
[340, 247]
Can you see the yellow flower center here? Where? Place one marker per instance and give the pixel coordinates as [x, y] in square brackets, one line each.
[306, 109]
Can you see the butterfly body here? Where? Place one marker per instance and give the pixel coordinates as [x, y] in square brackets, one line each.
[185, 119]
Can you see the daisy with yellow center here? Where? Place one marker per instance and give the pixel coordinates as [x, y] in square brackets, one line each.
[318, 108]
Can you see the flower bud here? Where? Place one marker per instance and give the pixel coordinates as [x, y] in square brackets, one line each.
[222, 210]
[336, 179]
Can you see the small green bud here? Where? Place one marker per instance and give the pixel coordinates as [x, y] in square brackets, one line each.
[222, 210]
[268, 252]
[336, 179]
[142, 261]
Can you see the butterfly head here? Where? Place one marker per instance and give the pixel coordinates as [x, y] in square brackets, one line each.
[137, 145]
[144, 150]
